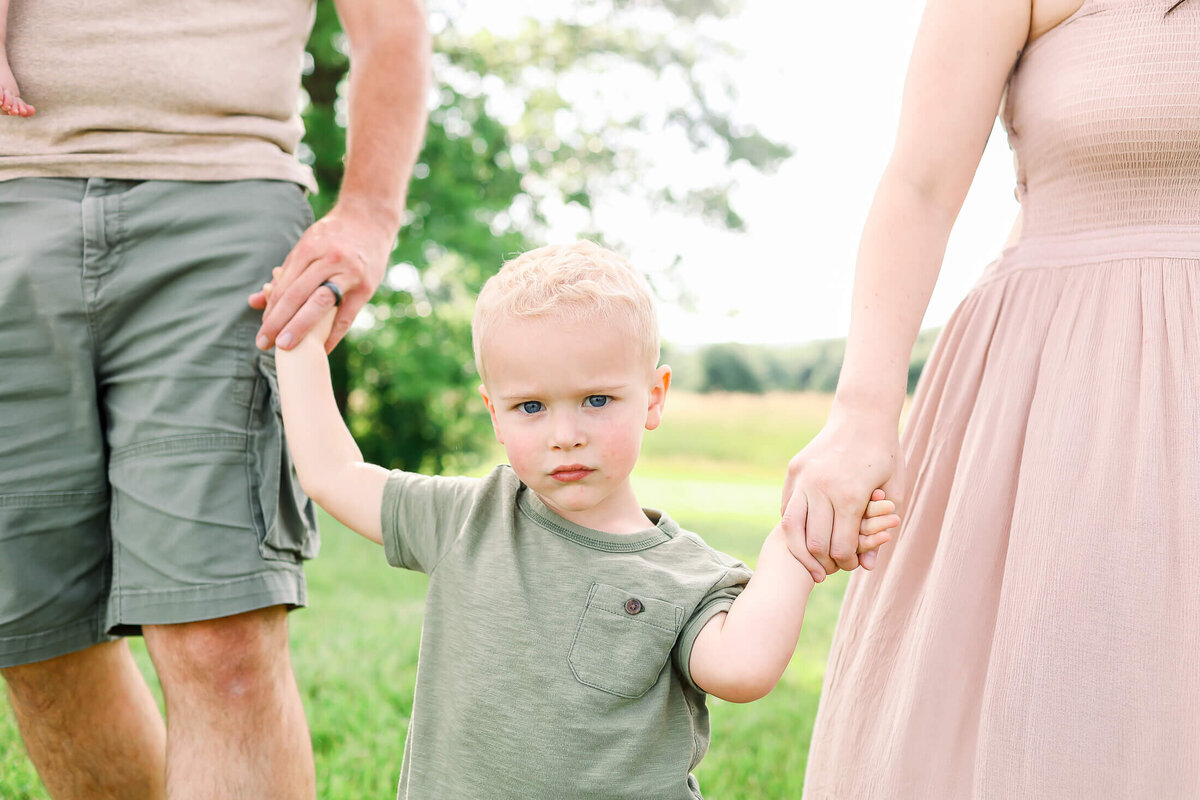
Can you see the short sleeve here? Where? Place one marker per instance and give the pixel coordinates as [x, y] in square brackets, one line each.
[719, 598]
[422, 517]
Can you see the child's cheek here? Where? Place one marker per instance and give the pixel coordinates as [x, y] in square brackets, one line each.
[622, 451]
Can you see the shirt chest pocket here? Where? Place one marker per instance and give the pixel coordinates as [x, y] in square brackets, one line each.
[623, 640]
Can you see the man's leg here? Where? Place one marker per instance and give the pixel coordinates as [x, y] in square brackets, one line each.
[90, 725]
[88, 720]
[209, 528]
[235, 724]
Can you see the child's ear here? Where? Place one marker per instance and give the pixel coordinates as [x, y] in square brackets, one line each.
[491, 411]
[658, 396]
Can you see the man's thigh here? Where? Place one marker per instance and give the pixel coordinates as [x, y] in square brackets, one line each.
[207, 519]
[54, 546]
[194, 512]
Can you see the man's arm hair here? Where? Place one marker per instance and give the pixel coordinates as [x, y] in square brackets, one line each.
[350, 245]
[389, 84]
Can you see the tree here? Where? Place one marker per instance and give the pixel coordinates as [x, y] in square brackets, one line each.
[523, 125]
[727, 368]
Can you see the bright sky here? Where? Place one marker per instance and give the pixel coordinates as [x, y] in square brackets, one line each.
[826, 78]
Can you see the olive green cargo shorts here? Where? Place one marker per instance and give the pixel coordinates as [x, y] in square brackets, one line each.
[144, 478]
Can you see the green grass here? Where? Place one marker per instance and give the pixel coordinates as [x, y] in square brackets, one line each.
[716, 465]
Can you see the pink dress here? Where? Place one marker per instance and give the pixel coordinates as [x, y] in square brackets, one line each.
[1035, 630]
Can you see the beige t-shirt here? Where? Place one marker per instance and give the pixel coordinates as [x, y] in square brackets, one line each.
[554, 658]
[203, 90]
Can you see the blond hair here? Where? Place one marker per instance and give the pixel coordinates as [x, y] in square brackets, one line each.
[579, 281]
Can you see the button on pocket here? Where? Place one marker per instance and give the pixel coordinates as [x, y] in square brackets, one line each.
[623, 640]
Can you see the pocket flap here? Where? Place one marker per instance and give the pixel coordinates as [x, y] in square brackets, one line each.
[637, 607]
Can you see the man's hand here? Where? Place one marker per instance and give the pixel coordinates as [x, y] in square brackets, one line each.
[351, 250]
[388, 87]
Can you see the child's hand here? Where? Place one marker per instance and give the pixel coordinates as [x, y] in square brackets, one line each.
[320, 331]
[877, 523]
[10, 96]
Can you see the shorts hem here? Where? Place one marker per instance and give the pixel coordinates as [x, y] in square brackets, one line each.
[30, 648]
[130, 610]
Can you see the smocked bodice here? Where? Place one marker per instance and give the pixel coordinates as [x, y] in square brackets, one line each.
[1103, 113]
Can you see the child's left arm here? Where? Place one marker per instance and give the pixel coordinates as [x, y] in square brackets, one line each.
[740, 655]
[330, 466]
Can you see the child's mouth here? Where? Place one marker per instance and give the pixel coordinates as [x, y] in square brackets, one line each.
[571, 473]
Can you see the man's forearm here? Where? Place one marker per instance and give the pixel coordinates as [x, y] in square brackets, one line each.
[389, 83]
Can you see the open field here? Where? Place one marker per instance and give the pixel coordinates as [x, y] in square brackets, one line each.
[716, 465]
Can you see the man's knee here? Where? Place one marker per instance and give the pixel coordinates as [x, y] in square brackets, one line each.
[232, 656]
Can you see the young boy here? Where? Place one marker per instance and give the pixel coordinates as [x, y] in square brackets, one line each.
[570, 636]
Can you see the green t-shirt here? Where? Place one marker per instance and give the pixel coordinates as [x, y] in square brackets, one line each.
[554, 658]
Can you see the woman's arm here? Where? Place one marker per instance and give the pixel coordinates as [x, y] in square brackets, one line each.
[964, 52]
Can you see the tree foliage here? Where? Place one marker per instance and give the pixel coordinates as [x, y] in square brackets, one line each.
[726, 368]
[524, 125]
[810, 367]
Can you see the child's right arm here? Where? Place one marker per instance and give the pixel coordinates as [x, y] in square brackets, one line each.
[740, 654]
[328, 461]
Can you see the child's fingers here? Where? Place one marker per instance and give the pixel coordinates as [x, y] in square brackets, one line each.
[877, 508]
[868, 543]
[873, 525]
[876, 528]
[260, 298]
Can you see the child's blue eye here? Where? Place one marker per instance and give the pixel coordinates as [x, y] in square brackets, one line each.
[531, 406]
[597, 400]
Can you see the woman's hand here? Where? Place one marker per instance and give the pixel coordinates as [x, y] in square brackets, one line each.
[829, 484]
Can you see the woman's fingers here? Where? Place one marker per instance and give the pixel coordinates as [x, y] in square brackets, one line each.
[795, 516]
[818, 529]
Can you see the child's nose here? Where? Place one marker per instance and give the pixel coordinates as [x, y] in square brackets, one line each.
[567, 433]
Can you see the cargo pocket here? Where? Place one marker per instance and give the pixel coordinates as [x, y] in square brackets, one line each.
[284, 518]
[623, 640]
